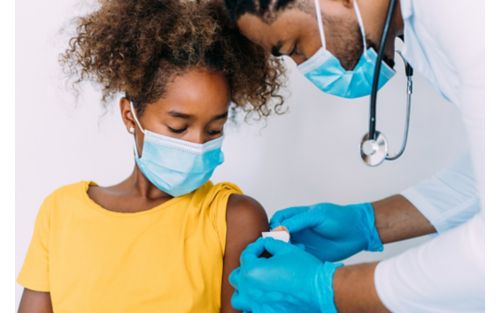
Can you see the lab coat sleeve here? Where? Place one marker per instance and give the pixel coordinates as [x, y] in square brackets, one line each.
[455, 194]
[469, 68]
[445, 274]
[449, 198]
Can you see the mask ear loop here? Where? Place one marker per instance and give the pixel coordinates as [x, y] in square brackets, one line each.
[320, 24]
[360, 23]
[135, 116]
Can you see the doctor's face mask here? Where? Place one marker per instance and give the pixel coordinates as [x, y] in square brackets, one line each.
[296, 29]
[326, 72]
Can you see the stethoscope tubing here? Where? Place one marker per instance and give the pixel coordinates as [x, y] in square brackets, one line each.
[378, 63]
[374, 140]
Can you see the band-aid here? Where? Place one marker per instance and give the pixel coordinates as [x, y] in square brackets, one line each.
[279, 233]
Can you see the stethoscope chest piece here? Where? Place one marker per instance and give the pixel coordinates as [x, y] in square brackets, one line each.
[373, 151]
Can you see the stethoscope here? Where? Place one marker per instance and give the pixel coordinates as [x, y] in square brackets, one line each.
[374, 146]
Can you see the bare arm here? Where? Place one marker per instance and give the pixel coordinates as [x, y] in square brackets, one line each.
[246, 219]
[355, 289]
[35, 302]
[397, 219]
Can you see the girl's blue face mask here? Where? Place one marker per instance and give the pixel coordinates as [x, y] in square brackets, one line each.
[326, 72]
[176, 167]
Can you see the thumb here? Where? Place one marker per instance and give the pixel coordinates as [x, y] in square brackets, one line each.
[301, 221]
[234, 278]
[284, 214]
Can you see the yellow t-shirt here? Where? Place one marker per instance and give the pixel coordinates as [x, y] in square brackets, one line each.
[167, 259]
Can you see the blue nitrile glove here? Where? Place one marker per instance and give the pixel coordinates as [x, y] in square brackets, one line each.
[331, 232]
[291, 280]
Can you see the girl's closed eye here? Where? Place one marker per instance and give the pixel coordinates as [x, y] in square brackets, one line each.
[176, 130]
[215, 132]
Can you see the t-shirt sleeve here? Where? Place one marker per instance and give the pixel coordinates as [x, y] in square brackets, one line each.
[218, 198]
[34, 274]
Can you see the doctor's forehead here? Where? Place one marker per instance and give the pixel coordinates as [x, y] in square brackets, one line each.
[288, 25]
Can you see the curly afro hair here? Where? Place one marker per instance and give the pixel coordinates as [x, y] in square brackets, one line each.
[137, 47]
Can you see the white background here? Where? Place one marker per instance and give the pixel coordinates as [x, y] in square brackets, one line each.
[307, 155]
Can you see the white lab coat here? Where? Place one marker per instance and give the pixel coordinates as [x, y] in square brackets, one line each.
[444, 41]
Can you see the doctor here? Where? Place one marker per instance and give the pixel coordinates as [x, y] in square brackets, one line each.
[335, 49]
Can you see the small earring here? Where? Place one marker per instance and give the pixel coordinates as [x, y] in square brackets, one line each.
[131, 130]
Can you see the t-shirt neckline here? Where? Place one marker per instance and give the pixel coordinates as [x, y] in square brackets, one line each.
[98, 207]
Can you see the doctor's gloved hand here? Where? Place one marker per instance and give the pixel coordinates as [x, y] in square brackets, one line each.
[329, 231]
[290, 280]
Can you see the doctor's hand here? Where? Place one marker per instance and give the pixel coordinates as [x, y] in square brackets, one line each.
[331, 232]
[290, 280]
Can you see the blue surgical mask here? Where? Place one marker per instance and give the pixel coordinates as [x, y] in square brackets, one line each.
[177, 167]
[326, 72]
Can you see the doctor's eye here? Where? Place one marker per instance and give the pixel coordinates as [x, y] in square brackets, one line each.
[295, 50]
[177, 130]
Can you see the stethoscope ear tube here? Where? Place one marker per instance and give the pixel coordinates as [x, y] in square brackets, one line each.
[378, 64]
[373, 146]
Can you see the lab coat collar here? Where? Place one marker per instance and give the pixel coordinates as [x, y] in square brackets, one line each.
[406, 8]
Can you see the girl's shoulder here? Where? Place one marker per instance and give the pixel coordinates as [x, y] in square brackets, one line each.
[76, 190]
[71, 194]
[214, 197]
[230, 210]
[229, 198]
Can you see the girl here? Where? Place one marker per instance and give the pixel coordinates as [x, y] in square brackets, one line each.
[165, 239]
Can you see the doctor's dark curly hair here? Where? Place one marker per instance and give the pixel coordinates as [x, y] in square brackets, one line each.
[137, 47]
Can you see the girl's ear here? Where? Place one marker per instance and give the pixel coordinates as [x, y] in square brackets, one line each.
[126, 113]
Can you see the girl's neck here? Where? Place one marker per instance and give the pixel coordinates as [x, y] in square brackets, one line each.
[138, 184]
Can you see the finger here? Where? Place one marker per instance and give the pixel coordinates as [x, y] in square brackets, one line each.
[300, 246]
[301, 221]
[281, 215]
[260, 309]
[274, 246]
[234, 278]
[252, 251]
[239, 302]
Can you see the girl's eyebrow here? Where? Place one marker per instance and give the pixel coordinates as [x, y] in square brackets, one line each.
[221, 116]
[180, 115]
[189, 116]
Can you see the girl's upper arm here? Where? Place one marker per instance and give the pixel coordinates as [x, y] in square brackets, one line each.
[35, 302]
[246, 220]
